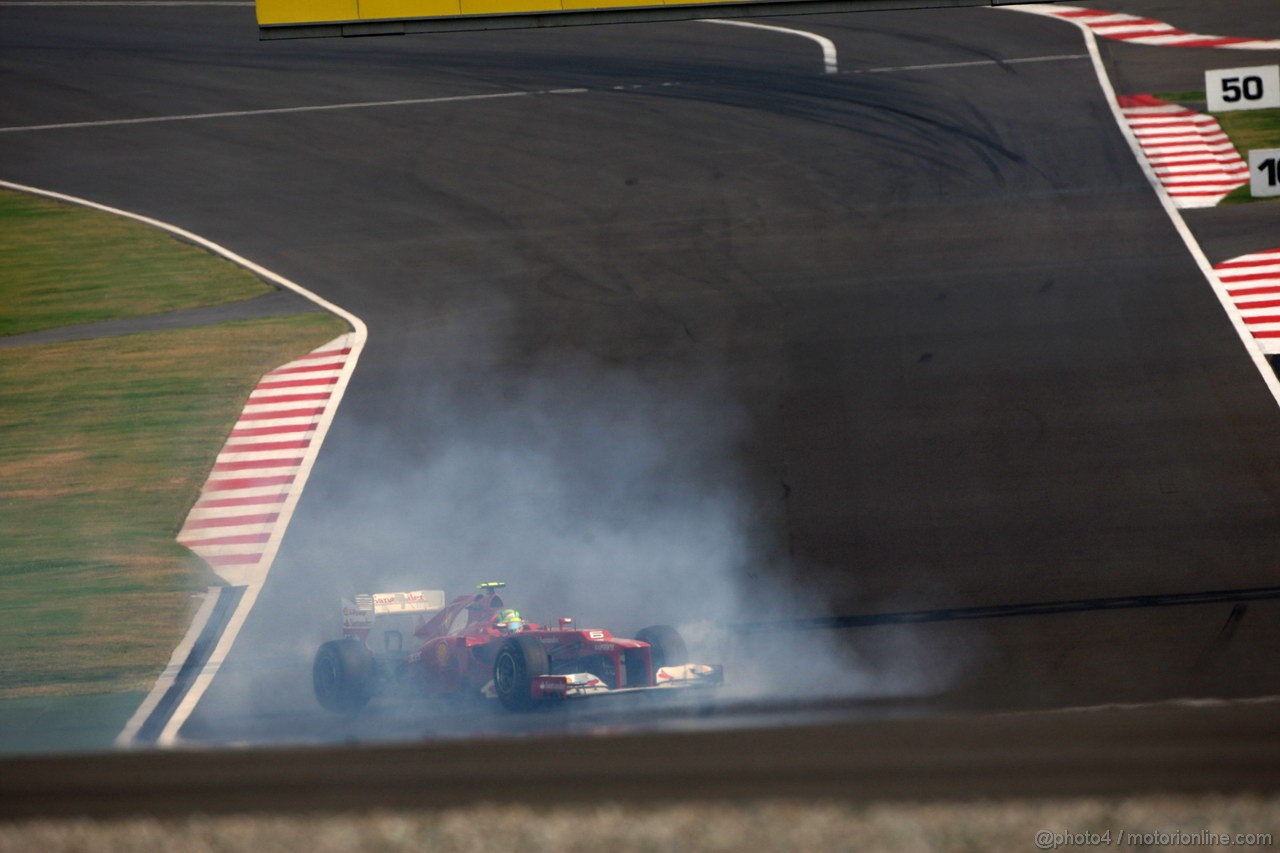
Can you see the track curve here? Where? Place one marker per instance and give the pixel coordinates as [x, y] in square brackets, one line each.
[712, 333]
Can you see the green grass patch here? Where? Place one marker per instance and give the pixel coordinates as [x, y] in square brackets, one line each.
[1247, 130]
[105, 445]
[65, 264]
[1251, 129]
[1183, 97]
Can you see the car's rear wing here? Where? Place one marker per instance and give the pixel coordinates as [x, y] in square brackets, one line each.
[359, 613]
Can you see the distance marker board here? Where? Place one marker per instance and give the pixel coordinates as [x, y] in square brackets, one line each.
[1255, 88]
[1264, 172]
[279, 19]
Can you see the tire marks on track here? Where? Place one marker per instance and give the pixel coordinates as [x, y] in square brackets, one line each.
[1006, 611]
[273, 111]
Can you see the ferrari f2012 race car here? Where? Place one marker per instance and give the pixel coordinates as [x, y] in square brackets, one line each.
[477, 647]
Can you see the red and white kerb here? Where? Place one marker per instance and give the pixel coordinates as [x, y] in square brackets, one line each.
[1253, 284]
[1194, 160]
[1135, 29]
[240, 505]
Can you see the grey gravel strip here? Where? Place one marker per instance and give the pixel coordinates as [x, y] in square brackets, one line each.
[274, 304]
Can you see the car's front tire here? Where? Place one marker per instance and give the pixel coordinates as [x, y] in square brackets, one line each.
[518, 661]
[666, 646]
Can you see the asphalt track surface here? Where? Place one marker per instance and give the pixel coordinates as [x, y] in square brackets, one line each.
[714, 334]
[1185, 750]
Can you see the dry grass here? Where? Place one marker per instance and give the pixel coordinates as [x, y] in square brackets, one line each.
[771, 825]
[64, 264]
[104, 445]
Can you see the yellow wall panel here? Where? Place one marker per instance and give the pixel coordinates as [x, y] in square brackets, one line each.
[602, 4]
[305, 11]
[373, 9]
[321, 18]
[498, 7]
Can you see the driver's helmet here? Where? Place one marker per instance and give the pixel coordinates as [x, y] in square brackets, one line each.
[509, 620]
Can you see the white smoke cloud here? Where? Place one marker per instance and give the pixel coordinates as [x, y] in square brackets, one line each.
[592, 492]
[601, 493]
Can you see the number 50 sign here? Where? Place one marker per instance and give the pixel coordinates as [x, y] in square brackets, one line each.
[1242, 88]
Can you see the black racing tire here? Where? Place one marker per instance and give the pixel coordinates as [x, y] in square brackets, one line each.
[518, 661]
[666, 646]
[343, 676]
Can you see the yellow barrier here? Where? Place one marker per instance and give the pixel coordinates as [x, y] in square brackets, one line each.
[306, 11]
[274, 12]
[374, 9]
[304, 18]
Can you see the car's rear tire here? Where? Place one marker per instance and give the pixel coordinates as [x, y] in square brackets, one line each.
[666, 646]
[343, 676]
[518, 661]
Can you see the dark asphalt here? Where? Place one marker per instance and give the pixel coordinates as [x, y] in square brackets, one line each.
[720, 337]
[1169, 749]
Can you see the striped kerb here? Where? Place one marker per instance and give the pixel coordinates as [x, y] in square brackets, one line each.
[1253, 284]
[1135, 29]
[1194, 160]
[239, 507]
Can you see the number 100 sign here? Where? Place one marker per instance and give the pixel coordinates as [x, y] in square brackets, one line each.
[1264, 172]
[1255, 88]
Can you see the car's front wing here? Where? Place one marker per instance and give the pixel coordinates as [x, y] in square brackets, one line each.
[580, 684]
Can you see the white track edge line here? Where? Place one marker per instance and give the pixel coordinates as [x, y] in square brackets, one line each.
[273, 111]
[972, 63]
[357, 324]
[168, 735]
[830, 63]
[1269, 377]
[360, 334]
[170, 673]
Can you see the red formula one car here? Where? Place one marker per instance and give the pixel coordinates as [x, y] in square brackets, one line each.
[477, 647]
